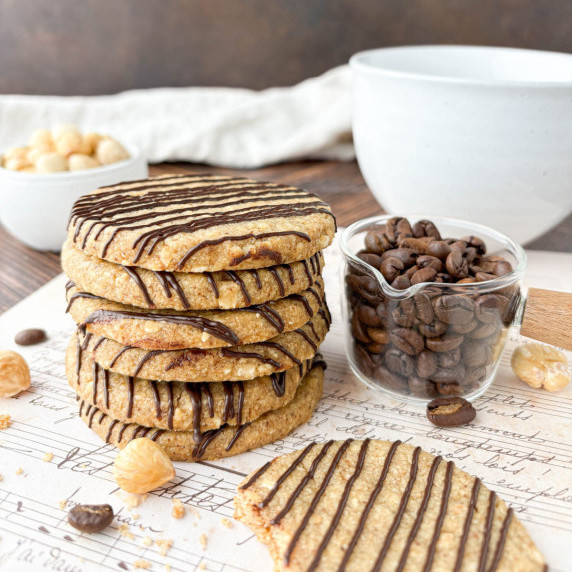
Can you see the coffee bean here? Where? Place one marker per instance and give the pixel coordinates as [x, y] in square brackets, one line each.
[448, 375]
[470, 254]
[423, 307]
[371, 259]
[416, 244]
[467, 280]
[376, 242]
[397, 227]
[399, 362]
[427, 260]
[445, 343]
[439, 249]
[30, 337]
[406, 255]
[475, 375]
[404, 314]
[483, 331]
[424, 275]
[90, 517]
[426, 364]
[425, 228]
[365, 286]
[421, 387]
[375, 348]
[368, 316]
[365, 361]
[411, 271]
[491, 307]
[476, 354]
[484, 276]
[443, 278]
[408, 341]
[454, 309]
[449, 359]
[452, 388]
[450, 411]
[401, 283]
[466, 327]
[378, 336]
[359, 330]
[475, 242]
[391, 267]
[456, 265]
[434, 329]
[389, 379]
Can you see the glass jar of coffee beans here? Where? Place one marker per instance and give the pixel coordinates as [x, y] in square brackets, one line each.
[428, 303]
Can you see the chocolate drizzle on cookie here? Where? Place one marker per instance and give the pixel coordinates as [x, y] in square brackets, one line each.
[152, 207]
[429, 488]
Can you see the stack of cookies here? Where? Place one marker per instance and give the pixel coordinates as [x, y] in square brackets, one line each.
[200, 309]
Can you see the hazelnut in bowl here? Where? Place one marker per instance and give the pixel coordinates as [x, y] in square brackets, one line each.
[40, 182]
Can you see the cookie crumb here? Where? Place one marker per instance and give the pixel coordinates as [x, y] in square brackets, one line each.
[144, 564]
[203, 540]
[178, 510]
[131, 500]
[125, 532]
[63, 504]
[19, 471]
[136, 515]
[1, 478]
[227, 522]
[168, 567]
[164, 545]
[48, 457]
[203, 566]
[5, 421]
[147, 541]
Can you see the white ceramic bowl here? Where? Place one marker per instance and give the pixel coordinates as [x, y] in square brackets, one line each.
[479, 133]
[35, 207]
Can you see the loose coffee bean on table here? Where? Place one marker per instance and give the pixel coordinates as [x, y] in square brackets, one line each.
[90, 517]
[450, 411]
[442, 340]
[30, 336]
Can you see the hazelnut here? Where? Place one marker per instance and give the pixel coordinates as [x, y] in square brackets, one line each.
[90, 141]
[14, 374]
[79, 161]
[16, 159]
[142, 466]
[540, 366]
[51, 163]
[64, 128]
[110, 151]
[69, 142]
[42, 140]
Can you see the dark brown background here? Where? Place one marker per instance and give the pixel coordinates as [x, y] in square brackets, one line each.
[70, 47]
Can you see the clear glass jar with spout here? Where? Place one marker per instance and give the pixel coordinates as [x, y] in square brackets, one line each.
[430, 339]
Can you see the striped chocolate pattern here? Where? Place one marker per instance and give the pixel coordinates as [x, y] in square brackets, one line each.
[430, 489]
[194, 203]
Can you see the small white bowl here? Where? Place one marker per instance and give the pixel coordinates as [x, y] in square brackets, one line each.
[478, 133]
[35, 207]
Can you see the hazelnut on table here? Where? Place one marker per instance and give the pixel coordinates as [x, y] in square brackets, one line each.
[540, 366]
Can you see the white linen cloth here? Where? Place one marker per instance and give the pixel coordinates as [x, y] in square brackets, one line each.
[226, 127]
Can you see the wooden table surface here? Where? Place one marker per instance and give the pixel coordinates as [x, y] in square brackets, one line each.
[23, 270]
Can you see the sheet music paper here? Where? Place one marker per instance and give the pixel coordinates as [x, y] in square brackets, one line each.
[520, 445]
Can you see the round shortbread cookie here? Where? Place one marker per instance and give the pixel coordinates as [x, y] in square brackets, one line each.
[375, 505]
[223, 442]
[169, 329]
[187, 290]
[178, 406]
[198, 223]
[280, 353]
